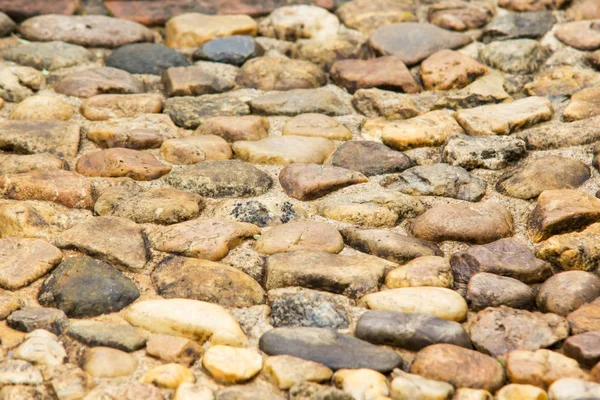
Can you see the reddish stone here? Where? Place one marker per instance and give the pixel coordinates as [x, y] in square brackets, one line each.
[23, 9]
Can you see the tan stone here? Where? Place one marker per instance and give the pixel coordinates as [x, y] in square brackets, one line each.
[521, 392]
[174, 349]
[586, 318]
[195, 29]
[584, 104]
[422, 271]
[406, 386]
[311, 181]
[301, 235]
[280, 73]
[9, 302]
[199, 79]
[317, 125]
[29, 137]
[361, 383]
[232, 128]
[43, 108]
[90, 82]
[531, 5]
[485, 90]
[62, 187]
[232, 364]
[562, 81]
[22, 261]
[439, 302]
[287, 371]
[430, 129]
[368, 15]
[449, 69]
[460, 15]
[194, 149]
[105, 106]
[18, 82]
[104, 362]
[42, 348]
[582, 35]
[541, 368]
[573, 251]
[121, 162]
[16, 163]
[299, 21]
[285, 150]
[189, 391]
[168, 376]
[472, 394]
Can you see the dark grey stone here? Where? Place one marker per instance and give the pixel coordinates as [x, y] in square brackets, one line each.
[235, 50]
[145, 58]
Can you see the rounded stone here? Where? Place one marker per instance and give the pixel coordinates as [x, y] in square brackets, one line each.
[145, 58]
[490, 290]
[567, 291]
[43, 108]
[235, 50]
[231, 364]
[104, 362]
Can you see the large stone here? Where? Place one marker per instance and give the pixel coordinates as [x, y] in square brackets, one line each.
[90, 82]
[231, 364]
[201, 78]
[584, 104]
[463, 368]
[106, 106]
[562, 81]
[317, 125]
[189, 278]
[312, 181]
[16, 163]
[519, 56]
[235, 50]
[119, 336]
[582, 35]
[413, 42]
[325, 100]
[31, 318]
[145, 58]
[506, 257]
[284, 150]
[567, 291]
[498, 331]
[518, 25]
[438, 180]
[301, 235]
[368, 15]
[460, 15]
[195, 29]
[475, 223]
[98, 237]
[18, 83]
[585, 348]
[573, 251]
[49, 55]
[188, 112]
[562, 211]
[42, 108]
[489, 152]
[422, 271]
[232, 129]
[490, 290]
[328, 347]
[287, 371]
[22, 261]
[370, 158]
[545, 173]
[88, 31]
[106, 289]
[122, 162]
[221, 179]
[353, 276]
[279, 73]
[194, 149]
[409, 331]
[448, 69]
[29, 137]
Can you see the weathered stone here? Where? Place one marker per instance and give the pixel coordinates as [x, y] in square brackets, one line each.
[104, 362]
[325, 100]
[278, 73]
[231, 364]
[366, 16]
[567, 291]
[413, 42]
[145, 58]
[91, 82]
[582, 35]
[570, 388]
[463, 368]
[584, 348]
[18, 83]
[302, 235]
[498, 331]
[22, 261]
[264, 212]
[519, 56]
[194, 149]
[31, 318]
[202, 78]
[9, 302]
[287, 371]
[106, 289]
[174, 349]
[42, 108]
[311, 390]
[169, 376]
[438, 180]
[233, 128]
[15, 372]
[489, 152]
[312, 181]
[583, 104]
[459, 15]
[485, 90]
[41, 348]
[370, 158]
[122, 162]
[563, 135]
[328, 347]
[247, 392]
[195, 29]
[189, 112]
[406, 386]
[573, 251]
[472, 394]
[518, 25]
[235, 50]
[106, 106]
[299, 21]
[347, 44]
[30, 137]
[49, 55]
[307, 308]
[119, 336]
[448, 69]
[317, 125]
[562, 81]
[74, 383]
[284, 150]
[490, 290]
[422, 271]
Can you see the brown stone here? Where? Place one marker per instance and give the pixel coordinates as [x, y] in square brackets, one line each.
[387, 73]
[368, 15]
[430, 129]
[583, 104]
[583, 9]
[62, 187]
[347, 44]
[562, 211]
[284, 150]
[91, 82]
[490, 290]
[28, 137]
[582, 35]
[573, 251]
[20, 11]
[194, 149]
[152, 13]
[460, 15]
[105, 106]
[174, 349]
[370, 158]
[567, 291]
[9, 302]
[422, 271]
[531, 5]
[15, 163]
[195, 29]
[119, 162]
[197, 80]
[301, 235]
[43, 108]
[232, 129]
[585, 348]
[278, 73]
[586, 318]
[311, 181]
[458, 366]
[448, 69]
[317, 125]
[22, 261]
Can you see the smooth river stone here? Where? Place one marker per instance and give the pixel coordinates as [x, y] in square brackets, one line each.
[284, 150]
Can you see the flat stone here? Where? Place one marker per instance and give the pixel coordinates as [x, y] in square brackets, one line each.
[409, 331]
[87, 31]
[9, 302]
[361, 382]
[28, 137]
[97, 237]
[502, 119]
[582, 35]
[18, 83]
[307, 308]
[370, 158]
[489, 152]
[234, 50]
[498, 331]
[415, 386]
[463, 368]
[14, 372]
[22, 261]
[107, 290]
[573, 251]
[505, 257]
[299, 21]
[119, 336]
[7, 25]
[323, 100]
[232, 129]
[191, 319]
[105, 106]
[346, 44]
[209, 239]
[62, 187]
[545, 173]
[91, 82]
[194, 149]
[474, 223]
[490, 290]
[563, 135]
[562, 81]
[311, 390]
[174, 349]
[384, 72]
[486, 90]
[567, 291]
[231, 364]
[353, 276]
[145, 58]
[221, 179]
[195, 29]
[459, 15]
[328, 347]
[584, 104]
[448, 69]
[312, 181]
[279, 73]
[49, 55]
[284, 150]
[531, 25]
[422, 271]
[541, 368]
[584, 348]
[367, 16]
[413, 42]
[287, 371]
[301, 235]
[519, 56]
[562, 211]
[438, 180]
[104, 362]
[31, 318]
[317, 125]
[202, 78]
[264, 212]
[585, 319]
[169, 376]
[430, 129]
[42, 108]
[188, 112]
[122, 162]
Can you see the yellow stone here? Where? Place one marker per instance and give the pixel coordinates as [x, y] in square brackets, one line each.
[168, 376]
[287, 371]
[195, 29]
[429, 129]
[521, 392]
[232, 364]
